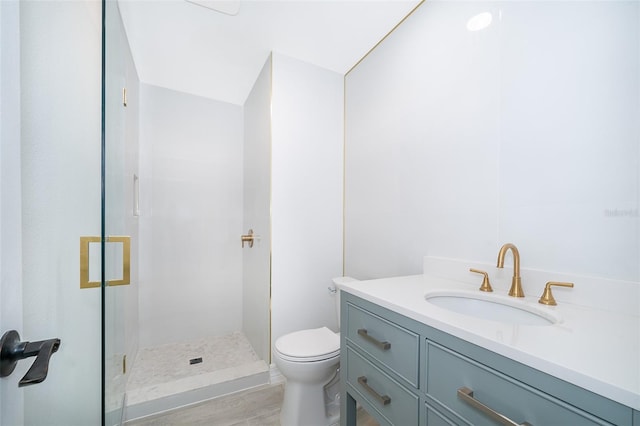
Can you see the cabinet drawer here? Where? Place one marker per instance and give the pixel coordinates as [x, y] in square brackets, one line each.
[398, 405]
[448, 371]
[435, 418]
[394, 346]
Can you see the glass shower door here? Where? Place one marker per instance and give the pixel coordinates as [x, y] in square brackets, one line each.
[52, 61]
[119, 214]
[58, 52]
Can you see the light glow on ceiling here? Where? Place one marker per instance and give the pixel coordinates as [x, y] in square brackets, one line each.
[479, 21]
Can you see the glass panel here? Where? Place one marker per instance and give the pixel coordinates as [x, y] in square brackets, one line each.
[120, 156]
[60, 45]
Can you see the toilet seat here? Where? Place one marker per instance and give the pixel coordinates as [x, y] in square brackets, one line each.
[309, 345]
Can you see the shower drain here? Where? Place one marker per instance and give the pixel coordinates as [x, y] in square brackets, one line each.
[195, 360]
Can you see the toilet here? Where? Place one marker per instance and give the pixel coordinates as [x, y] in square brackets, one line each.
[309, 361]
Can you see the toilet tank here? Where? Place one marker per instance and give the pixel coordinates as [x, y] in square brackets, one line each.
[337, 282]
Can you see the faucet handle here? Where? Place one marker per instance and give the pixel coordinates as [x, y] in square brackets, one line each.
[486, 285]
[547, 296]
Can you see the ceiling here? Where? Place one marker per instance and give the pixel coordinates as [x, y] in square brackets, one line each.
[184, 46]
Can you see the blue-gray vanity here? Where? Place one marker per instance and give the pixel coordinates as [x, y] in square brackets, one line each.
[408, 363]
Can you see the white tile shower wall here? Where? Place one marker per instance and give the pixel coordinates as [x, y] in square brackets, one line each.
[524, 132]
[307, 171]
[191, 217]
[256, 272]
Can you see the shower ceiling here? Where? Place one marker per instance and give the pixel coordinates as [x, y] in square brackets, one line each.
[183, 46]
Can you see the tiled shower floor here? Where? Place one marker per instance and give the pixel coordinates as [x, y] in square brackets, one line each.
[162, 378]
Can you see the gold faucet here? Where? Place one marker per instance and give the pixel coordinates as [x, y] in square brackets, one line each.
[516, 282]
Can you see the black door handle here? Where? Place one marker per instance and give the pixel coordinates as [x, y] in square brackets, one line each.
[13, 350]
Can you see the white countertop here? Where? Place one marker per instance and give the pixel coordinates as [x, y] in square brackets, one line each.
[596, 349]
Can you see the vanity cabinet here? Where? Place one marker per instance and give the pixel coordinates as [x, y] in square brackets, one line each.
[383, 359]
[472, 392]
[406, 373]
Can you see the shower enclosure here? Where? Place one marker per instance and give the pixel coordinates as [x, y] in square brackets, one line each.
[203, 297]
[185, 177]
[73, 225]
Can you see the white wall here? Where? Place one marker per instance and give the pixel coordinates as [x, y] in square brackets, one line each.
[11, 398]
[256, 260]
[191, 217]
[525, 132]
[306, 195]
[60, 114]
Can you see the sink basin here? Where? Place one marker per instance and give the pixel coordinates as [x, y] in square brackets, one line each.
[492, 307]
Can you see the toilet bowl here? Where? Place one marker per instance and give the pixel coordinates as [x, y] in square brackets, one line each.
[309, 360]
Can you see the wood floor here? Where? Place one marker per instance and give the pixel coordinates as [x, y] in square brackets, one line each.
[254, 407]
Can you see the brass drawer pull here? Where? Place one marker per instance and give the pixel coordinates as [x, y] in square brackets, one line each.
[466, 395]
[382, 345]
[382, 399]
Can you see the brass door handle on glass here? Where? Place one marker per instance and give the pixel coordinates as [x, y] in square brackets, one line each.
[547, 296]
[381, 345]
[382, 399]
[248, 238]
[486, 285]
[466, 394]
[84, 260]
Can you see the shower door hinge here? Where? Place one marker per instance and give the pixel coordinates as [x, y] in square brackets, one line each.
[124, 96]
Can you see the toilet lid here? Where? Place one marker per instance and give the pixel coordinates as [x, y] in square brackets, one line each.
[311, 344]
